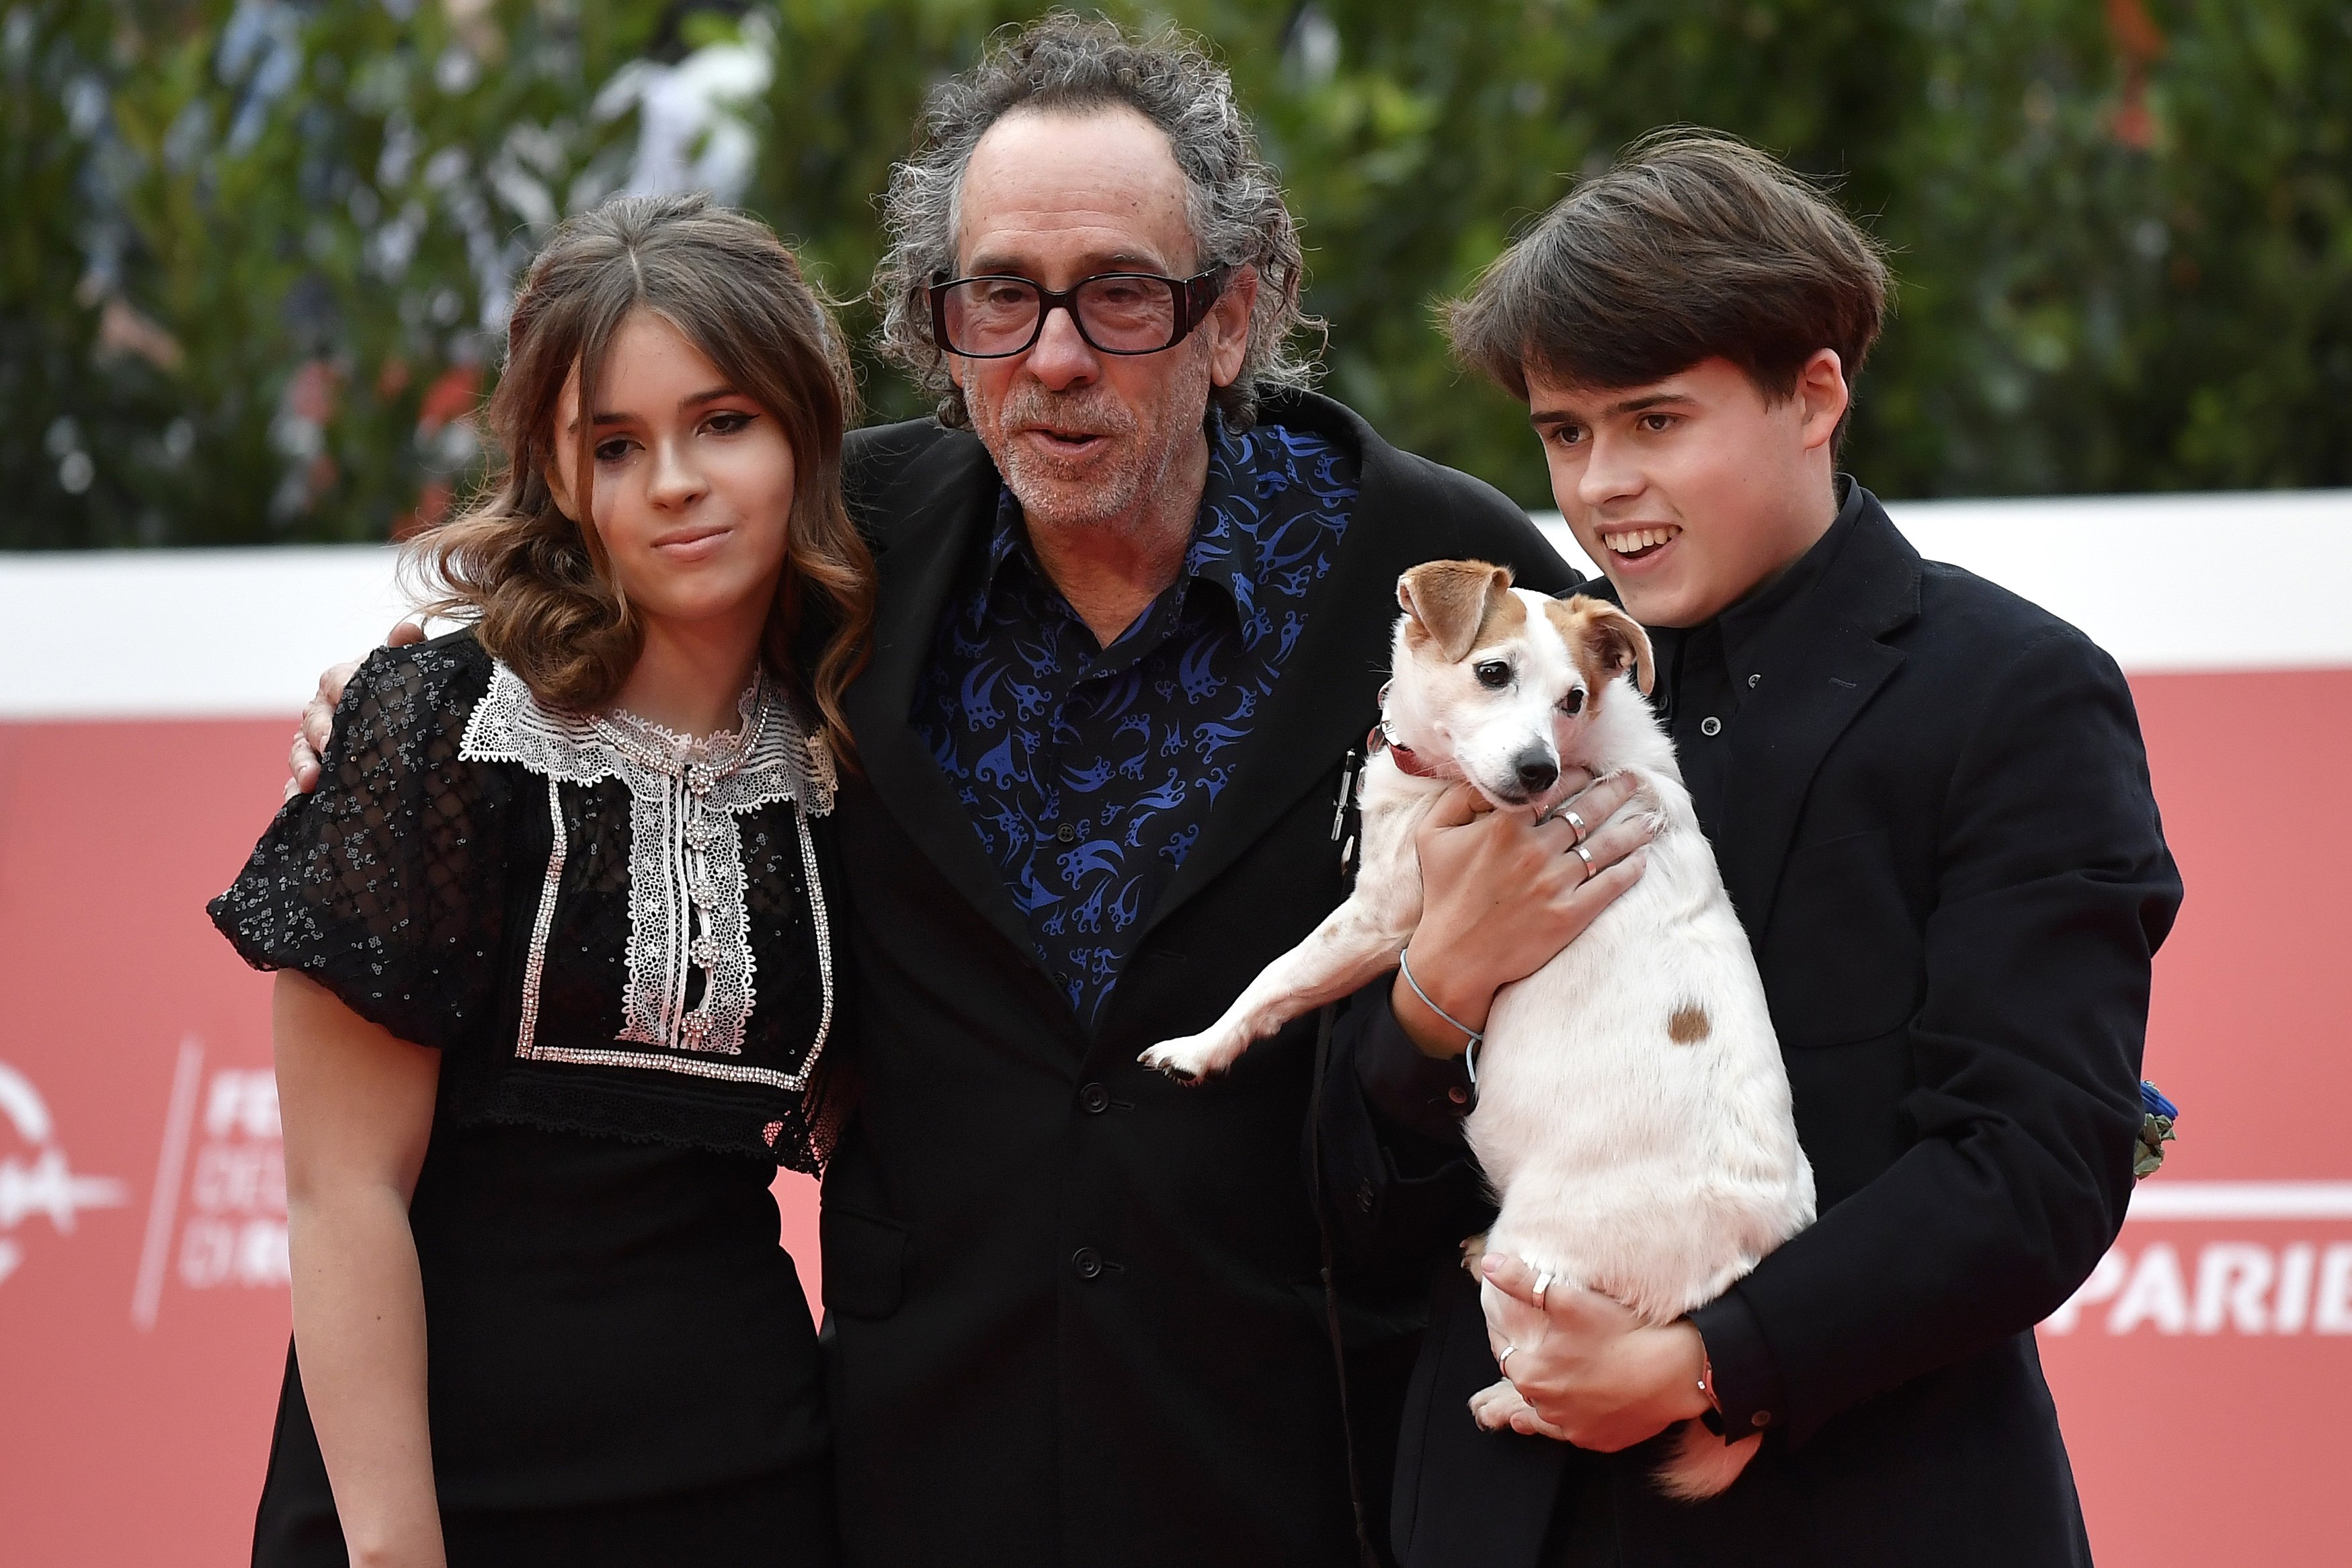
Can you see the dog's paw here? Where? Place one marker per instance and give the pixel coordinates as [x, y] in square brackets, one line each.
[1648, 810]
[1494, 1406]
[1642, 807]
[1190, 1060]
[1474, 1249]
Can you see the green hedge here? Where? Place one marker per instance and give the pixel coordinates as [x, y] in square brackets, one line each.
[256, 253]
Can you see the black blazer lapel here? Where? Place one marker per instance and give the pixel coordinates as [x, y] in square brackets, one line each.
[1820, 664]
[919, 561]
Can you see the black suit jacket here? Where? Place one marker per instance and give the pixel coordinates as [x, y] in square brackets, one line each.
[1076, 1311]
[1940, 837]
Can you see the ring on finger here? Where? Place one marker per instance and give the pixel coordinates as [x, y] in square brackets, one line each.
[1576, 822]
[1586, 856]
[1504, 1357]
[1543, 1283]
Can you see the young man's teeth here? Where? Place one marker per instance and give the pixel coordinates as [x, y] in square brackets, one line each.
[1639, 539]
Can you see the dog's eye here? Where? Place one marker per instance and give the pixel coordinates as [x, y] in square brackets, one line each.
[1572, 703]
[1493, 673]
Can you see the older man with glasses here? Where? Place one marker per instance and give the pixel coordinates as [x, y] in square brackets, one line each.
[1137, 588]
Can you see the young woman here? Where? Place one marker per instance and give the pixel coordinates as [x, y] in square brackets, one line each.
[557, 974]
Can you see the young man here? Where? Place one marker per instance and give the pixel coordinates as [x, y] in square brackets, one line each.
[1932, 810]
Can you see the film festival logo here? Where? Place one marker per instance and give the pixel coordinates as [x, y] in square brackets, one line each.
[43, 1186]
[224, 1161]
[218, 1212]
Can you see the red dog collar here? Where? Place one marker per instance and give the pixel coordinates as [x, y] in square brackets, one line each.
[1408, 760]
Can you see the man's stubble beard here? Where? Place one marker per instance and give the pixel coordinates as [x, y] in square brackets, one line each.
[1054, 500]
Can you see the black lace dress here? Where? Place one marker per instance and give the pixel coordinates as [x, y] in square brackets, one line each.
[619, 943]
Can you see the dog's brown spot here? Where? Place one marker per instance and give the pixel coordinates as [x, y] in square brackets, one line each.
[1604, 641]
[1689, 1025]
[1503, 617]
[1457, 603]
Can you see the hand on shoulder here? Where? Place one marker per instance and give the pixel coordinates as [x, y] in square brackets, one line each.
[318, 725]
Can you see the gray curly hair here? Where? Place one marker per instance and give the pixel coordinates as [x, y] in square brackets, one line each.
[1233, 201]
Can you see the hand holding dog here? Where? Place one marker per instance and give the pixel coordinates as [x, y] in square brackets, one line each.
[1503, 894]
[1586, 1370]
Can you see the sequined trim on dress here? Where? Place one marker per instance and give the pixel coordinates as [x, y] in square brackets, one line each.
[687, 882]
[541, 922]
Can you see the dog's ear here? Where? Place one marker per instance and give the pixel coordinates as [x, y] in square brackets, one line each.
[1616, 640]
[1450, 600]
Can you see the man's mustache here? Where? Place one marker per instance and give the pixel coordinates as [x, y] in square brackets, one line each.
[1072, 414]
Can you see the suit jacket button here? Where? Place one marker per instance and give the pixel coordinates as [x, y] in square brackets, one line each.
[1086, 1262]
[1761, 1419]
[1094, 1099]
[1710, 727]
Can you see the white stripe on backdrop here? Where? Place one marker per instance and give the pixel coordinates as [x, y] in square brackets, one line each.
[2242, 1200]
[2139, 574]
[242, 633]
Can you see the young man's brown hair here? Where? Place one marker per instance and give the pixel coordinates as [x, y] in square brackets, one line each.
[1693, 247]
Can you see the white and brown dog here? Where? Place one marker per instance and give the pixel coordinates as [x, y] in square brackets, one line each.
[1633, 1111]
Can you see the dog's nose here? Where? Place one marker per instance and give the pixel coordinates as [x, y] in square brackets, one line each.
[1537, 772]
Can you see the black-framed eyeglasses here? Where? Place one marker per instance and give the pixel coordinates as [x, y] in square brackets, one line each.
[994, 317]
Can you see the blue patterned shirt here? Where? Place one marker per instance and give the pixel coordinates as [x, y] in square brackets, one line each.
[1090, 771]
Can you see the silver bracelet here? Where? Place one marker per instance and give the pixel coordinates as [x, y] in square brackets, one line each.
[1474, 1039]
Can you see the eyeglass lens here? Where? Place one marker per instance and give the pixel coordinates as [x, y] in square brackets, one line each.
[1118, 314]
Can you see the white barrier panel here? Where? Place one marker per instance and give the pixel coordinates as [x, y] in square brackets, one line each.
[226, 633]
[2137, 573]
[242, 633]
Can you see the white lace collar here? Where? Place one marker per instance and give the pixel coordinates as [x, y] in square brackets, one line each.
[771, 756]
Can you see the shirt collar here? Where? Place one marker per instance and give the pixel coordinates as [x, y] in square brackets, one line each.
[1219, 552]
[1744, 621]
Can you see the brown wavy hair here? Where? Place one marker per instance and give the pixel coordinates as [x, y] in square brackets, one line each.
[536, 585]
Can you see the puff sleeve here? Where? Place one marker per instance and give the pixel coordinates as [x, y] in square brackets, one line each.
[387, 884]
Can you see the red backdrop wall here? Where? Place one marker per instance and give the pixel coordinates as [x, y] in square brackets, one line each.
[143, 1320]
